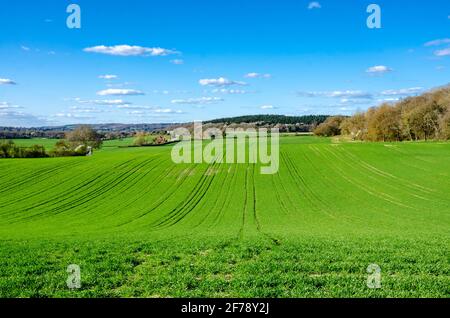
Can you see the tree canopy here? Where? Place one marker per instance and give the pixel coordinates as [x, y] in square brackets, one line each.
[422, 117]
[86, 136]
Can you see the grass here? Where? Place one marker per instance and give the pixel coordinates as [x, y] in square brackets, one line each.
[50, 143]
[140, 226]
[47, 143]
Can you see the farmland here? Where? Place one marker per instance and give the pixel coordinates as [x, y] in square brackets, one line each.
[140, 226]
[50, 143]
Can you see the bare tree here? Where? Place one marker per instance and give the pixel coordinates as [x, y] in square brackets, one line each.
[86, 136]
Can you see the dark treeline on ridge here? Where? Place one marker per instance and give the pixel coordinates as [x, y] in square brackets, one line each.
[424, 117]
[272, 119]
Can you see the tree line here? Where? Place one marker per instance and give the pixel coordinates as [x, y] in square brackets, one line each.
[272, 119]
[424, 117]
[78, 142]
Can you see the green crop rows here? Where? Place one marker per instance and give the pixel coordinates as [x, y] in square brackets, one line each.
[140, 226]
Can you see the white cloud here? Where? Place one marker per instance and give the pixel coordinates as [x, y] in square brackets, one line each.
[119, 92]
[7, 81]
[108, 77]
[133, 107]
[350, 94]
[339, 94]
[136, 112]
[314, 5]
[88, 110]
[107, 102]
[25, 48]
[72, 115]
[20, 119]
[110, 84]
[129, 50]
[257, 75]
[230, 91]
[198, 101]
[437, 42]
[268, 107]
[153, 110]
[167, 92]
[13, 116]
[7, 106]
[443, 52]
[111, 102]
[177, 62]
[221, 81]
[353, 101]
[167, 111]
[378, 69]
[389, 100]
[403, 91]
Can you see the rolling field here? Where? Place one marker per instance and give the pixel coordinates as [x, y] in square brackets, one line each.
[49, 144]
[140, 226]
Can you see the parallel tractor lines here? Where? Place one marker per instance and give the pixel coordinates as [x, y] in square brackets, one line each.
[83, 199]
[155, 205]
[240, 234]
[308, 194]
[184, 208]
[367, 186]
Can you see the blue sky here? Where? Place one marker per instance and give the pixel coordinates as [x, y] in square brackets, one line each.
[184, 60]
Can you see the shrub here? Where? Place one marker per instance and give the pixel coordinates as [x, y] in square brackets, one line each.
[84, 135]
[9, 150]
[65, 149]
[355, 126]
[384, 124]
[35, 151]
[415, 118]
[142, 139]
[160, 140]
[444, 126]
[331, 127]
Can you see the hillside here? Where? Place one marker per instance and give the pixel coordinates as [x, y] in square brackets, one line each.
[141, 226]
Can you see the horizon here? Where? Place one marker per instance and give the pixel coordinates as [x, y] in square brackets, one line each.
[170, 62]
[155, 123]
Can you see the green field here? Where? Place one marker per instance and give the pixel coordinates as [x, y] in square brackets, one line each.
[140, 226]
[46, 142]
[50, 143]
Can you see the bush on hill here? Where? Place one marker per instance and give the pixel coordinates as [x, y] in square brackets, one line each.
[8, 149]
[425, 117]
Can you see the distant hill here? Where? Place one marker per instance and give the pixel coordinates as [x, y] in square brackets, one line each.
[111, 127]
[272, 119]
[113, 130]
